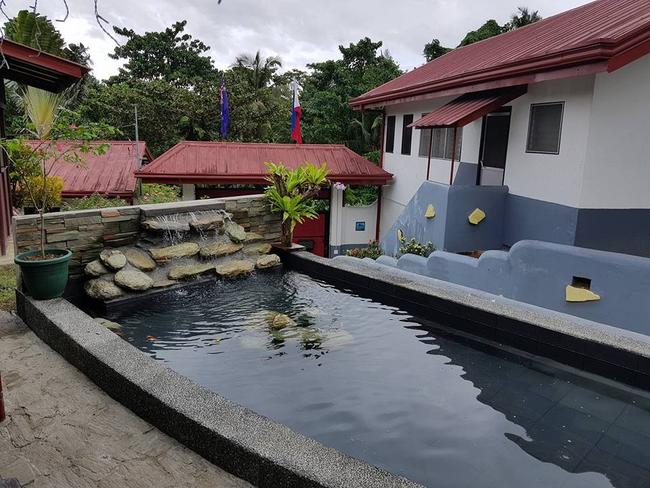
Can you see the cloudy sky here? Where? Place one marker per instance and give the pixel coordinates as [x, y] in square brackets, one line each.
[297, 31]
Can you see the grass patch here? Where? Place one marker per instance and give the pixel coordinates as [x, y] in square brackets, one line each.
[7, 287]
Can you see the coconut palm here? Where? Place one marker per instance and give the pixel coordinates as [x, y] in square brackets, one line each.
[522, 17]
[260, 71]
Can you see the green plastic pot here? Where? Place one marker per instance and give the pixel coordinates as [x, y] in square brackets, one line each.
[44, 279]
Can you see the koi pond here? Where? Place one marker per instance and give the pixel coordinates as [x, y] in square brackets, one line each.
[395, 390]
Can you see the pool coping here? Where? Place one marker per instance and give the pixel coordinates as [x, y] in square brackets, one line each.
[244, 443]
[608, 351]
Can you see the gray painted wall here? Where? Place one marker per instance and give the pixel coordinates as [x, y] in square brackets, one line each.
[527, 218]
[537, 273]
[618, 230]
[450, 229]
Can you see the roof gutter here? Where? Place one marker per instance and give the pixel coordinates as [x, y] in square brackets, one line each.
[255, 179]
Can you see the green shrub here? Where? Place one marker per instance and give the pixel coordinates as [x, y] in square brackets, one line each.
[414, 247]
[373, 251]
[361, 196]
[156, 193]
[373, 156]
[93, 201]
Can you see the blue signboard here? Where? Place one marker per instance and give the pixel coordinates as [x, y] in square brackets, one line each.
[360, 226]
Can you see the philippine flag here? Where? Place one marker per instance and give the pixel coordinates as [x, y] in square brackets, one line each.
[296, 114]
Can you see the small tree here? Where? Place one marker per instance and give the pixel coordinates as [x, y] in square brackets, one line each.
[292, 193]
[32, 162]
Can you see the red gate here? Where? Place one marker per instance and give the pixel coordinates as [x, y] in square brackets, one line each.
[313, 234]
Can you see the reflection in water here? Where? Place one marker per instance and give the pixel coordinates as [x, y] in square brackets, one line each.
[383, 386]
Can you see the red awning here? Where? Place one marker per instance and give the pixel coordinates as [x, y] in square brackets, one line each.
[468, 108]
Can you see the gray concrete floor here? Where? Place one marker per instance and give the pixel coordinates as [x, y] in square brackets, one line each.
[63, 431]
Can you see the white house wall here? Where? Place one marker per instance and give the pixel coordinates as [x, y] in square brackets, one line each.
[617, 173]
[555, 178]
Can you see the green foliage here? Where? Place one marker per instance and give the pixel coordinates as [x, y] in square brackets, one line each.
[38, 192]
[373, 156]
[156, 193]
[415, 247]
[35, 30]
[328, 117]
[523, 17]
[258, 71]
[292, 192]
[171, 56]
[93, 201]
[373, 251]
[361, 196]
[491, 28]
[434, 49]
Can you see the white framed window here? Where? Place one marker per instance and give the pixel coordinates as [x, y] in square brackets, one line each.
[442, 144]
[545, 128]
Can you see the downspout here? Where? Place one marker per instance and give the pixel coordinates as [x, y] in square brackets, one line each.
[453, 157]
[378, 213]
[381, 165]
[429, 161]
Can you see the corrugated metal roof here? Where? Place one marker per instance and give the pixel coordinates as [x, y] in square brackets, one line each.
[606, 34]
[240, 163]
[111, 174]
[32, 67]
[467, 108]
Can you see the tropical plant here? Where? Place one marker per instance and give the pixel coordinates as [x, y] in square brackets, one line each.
[291, 193]
[93, 201]
[35, 30]
[157, 193]
[361, 196]
[523, 17]
[32, 173]
[415, 247]
[260, 71]
[373, 251]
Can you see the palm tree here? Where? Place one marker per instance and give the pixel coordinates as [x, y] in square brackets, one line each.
[522, 17]
[36, 31]
[260, 71]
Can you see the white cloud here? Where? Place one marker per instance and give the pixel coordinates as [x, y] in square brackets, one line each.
[298, 31]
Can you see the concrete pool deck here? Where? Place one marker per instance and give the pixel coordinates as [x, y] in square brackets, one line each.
[63, 431]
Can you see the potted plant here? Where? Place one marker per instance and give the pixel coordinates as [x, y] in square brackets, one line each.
[44, 271]
[292, 193]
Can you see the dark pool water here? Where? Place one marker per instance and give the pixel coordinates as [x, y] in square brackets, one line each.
[386, 387]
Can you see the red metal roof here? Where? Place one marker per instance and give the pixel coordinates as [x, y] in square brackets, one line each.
[111, 174]
[240, 163]
[601, 36]
[30, 66]
[467, 108]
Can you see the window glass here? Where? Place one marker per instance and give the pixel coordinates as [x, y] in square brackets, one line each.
[407, 134]
[443, 142]
[545, 127]
[425, 137]
[390, 134]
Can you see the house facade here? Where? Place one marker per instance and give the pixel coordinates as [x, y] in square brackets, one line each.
[561, 125]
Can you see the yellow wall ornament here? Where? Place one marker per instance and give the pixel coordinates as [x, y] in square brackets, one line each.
[431, 212]
[579, 294]
[476, 217]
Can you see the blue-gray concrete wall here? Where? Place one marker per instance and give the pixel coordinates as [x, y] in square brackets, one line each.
[618, 230]
[527, 218]
[413, 222]
[537, 273]
[460, 235]
[450, 229]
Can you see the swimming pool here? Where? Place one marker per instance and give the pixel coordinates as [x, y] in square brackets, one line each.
[395, 390]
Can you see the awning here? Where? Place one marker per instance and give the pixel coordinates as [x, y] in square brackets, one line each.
[468, 108]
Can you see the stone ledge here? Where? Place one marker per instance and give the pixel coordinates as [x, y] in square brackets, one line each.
[252, 447]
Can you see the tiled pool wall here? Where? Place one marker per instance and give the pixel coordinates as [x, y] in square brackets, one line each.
[608, 351]
[87, 232]
[538, 273]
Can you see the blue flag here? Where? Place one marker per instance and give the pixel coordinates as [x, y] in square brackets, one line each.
[225, 110]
